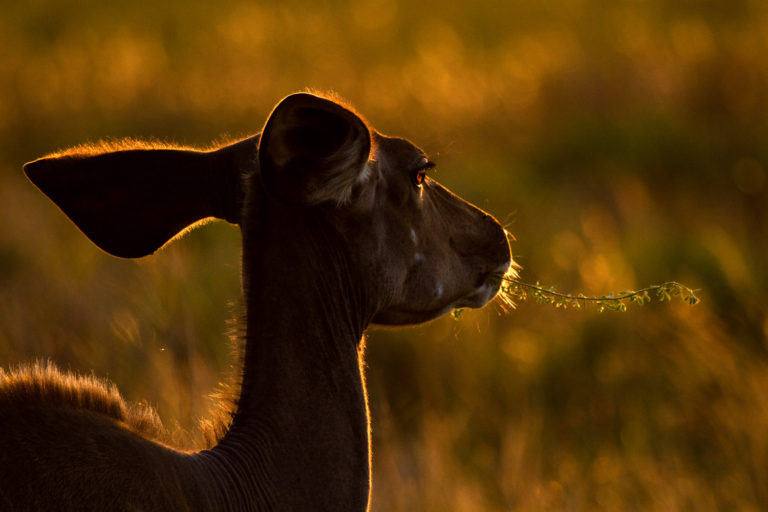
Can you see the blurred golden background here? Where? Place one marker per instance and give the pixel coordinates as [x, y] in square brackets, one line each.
[623, 143]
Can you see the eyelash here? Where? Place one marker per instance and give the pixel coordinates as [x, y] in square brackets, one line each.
[421, 172]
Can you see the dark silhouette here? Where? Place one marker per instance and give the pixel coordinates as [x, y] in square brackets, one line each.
[340, 227]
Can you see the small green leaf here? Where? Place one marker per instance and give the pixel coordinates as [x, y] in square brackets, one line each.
[521, 291]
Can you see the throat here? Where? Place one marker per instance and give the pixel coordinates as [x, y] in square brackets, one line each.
[303, 393]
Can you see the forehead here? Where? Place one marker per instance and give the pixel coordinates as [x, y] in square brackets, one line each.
[398, 151]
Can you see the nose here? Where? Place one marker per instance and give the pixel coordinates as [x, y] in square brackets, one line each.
[484, 238]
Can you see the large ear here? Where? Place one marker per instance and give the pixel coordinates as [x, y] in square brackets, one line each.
[313, 150]
[131, 202]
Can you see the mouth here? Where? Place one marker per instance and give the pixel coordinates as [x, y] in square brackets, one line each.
[486, 289]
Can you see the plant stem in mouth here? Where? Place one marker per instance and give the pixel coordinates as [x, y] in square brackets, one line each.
[514, 289]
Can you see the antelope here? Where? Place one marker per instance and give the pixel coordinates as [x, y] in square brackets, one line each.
[341, 228]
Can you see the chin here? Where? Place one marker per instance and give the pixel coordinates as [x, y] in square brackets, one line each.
[478, 298]
[393, 318]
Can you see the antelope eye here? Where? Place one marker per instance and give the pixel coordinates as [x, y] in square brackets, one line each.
[420, 173]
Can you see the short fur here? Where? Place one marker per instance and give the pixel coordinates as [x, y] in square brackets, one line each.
[43, 384]
[325, 253]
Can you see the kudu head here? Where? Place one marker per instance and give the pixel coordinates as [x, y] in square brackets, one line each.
[420, 250]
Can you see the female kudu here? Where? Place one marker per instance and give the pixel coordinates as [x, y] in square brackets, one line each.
[341, 228]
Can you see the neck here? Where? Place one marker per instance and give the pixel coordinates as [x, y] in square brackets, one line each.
[300, 436]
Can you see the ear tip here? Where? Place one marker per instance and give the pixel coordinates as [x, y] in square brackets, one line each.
[314, 99]
[32, 169]
[301, 94]
[37, 170]
[299, 99]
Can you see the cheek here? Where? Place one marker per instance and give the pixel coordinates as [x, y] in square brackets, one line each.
[418, 254]
[438, 290]
[436, 275]
[429, 277]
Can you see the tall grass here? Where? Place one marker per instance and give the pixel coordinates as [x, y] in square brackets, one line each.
[622, 144]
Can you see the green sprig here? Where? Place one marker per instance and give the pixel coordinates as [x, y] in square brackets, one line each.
[513, 290]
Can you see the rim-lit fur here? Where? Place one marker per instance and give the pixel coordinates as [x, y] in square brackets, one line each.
[340, 229]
